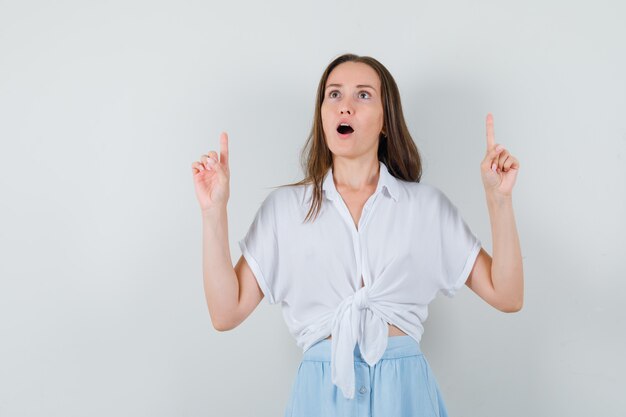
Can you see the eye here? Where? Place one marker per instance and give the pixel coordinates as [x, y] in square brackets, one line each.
[333, 94]
[364, 93]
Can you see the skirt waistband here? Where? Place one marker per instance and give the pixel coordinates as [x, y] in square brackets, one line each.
[397, 347]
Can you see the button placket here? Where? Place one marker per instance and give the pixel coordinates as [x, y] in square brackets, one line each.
[367, 210]
[362, 389]
[363, 271]
[357, 256]
[342, 208]
[364, 268]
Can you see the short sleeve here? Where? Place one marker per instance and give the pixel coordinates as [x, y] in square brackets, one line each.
[260, 248]
[458, 249]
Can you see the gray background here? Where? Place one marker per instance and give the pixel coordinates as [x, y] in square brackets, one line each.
[105, 105]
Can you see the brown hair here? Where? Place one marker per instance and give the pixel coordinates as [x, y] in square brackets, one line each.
[396, 148]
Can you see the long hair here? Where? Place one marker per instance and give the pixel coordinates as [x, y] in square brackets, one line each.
[396, 148]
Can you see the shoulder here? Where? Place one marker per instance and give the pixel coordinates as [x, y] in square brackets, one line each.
[423, 193]
[283, 199]
[429, 200]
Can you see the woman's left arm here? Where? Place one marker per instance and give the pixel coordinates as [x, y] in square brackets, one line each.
[499, 280]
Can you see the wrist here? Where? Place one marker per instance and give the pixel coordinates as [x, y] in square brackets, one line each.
[213, 212]
[499, 200]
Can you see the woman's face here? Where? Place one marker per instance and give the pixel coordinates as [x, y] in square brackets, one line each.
[352, 96]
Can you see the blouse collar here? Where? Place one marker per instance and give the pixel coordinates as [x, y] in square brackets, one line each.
[385, 180]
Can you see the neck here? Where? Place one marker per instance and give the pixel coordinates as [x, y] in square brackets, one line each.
[355, 175]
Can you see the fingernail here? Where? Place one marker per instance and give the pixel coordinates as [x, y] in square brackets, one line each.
[493, 167]
[210, 161]
[498, 147]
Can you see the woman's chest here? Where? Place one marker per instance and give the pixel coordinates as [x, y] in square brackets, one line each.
[329, 259]
[354, 203]
[333, 248]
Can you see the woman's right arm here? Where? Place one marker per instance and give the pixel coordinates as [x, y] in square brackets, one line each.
[231, 293]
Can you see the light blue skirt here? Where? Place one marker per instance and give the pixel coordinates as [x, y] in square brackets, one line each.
[400, 384]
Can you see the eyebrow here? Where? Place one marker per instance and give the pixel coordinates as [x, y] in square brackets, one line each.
[358, 86]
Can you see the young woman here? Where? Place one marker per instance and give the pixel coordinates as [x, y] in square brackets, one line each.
[357, 250]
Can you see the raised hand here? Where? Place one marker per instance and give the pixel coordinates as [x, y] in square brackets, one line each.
[211, 177]
[499, 168]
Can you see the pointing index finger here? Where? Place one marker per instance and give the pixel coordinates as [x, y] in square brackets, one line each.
[224, 148]
[490, 136]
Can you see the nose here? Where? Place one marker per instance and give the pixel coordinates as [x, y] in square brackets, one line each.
[346, 106]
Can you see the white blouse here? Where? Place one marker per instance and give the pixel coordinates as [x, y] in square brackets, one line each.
[411, 243]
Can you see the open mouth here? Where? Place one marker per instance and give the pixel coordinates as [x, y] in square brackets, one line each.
[344, 129]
